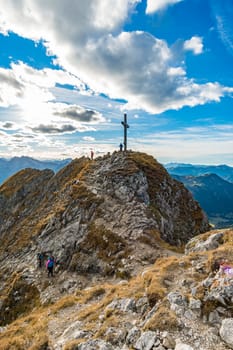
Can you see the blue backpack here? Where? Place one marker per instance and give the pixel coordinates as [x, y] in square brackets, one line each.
[51, 263]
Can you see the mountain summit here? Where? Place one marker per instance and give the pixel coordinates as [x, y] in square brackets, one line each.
[128, 196]
[102, 219]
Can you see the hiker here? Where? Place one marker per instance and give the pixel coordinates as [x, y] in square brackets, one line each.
[92, 154]
[40, 258]
[225, 268]
[215, 266]
[121, 147]
[50, 265]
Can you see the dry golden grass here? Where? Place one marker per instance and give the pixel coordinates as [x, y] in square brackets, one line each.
[163, 319]
[63, 303]
[85, 197]
[75, 170]
[106, 244]
[164, 245]
[92, 293]
[149, 283]
[15, 305]
[26, 333]
[15, 183]
[73, 345]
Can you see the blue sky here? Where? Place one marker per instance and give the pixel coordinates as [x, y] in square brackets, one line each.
[69, 70]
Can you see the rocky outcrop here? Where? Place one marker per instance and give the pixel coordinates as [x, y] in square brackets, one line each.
[196, 245]
[139, 195]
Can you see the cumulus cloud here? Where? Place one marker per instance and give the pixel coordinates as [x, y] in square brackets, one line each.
[88, 41]
[21, 84]
[11, 90]
[7, 125]
[32, 91]
[195, 44]
[76, 22]
[77, 113]
[54, 129]
[157, 5]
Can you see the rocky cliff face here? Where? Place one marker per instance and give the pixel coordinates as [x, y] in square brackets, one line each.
[105, 221]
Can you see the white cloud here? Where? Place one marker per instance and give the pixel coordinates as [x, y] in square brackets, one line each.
[195, 44]
[223, 12]
[157, 5]
[38, 111]
[88, 41]
[21, 84]
[176, 71]
[77, 113]
[56, 20]
[88, 138]
[205, 145]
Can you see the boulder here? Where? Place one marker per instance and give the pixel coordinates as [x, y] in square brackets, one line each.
[226, 331]
[146, 341]
[197, 245]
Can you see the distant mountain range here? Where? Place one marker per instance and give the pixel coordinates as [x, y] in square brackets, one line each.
[9, 167]
[224, 171]
[211, 186]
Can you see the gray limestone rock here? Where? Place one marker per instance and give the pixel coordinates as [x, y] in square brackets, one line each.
[133, 335]
[146, 341]
[183, 346]
[178, 302]
[125, 305]
[196, 245]
[96, 344]
[168, 341]
[226, 331]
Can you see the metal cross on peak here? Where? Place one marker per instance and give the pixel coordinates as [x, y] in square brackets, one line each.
[126, 126]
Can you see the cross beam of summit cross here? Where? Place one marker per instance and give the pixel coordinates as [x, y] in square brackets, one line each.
[126, 126]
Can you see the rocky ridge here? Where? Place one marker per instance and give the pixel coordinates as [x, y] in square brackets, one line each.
[114, 225]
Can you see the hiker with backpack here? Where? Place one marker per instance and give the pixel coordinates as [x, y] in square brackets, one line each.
[40, 258]
[50, 265]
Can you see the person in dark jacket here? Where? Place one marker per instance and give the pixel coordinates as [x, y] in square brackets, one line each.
[50, 266]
